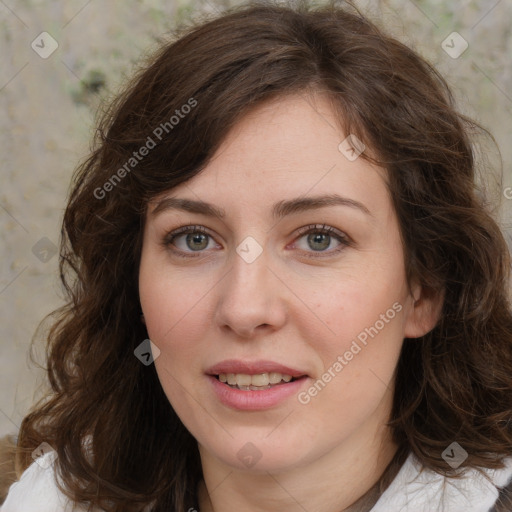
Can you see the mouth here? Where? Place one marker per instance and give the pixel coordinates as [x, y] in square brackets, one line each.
[255, 382]
[254, 385]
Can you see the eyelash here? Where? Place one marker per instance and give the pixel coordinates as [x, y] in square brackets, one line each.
[344, 240]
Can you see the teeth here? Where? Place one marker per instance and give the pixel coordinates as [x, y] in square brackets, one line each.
[274, 377]
[243, 380]
[259, 381]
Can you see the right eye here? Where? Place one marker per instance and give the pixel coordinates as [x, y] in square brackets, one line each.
[189, 240]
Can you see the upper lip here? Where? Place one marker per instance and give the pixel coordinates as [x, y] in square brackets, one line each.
[252, 368]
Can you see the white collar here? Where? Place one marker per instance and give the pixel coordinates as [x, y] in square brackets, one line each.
[418, 489]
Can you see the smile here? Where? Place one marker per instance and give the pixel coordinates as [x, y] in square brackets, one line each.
[254, 385]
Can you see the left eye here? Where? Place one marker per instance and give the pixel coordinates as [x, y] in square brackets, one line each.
[320, 239]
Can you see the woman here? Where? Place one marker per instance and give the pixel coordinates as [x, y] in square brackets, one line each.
[283, 201]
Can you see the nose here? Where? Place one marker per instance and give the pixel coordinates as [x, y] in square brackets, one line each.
[251, 299]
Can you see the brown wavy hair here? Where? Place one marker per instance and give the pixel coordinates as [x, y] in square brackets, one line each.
[453, 384]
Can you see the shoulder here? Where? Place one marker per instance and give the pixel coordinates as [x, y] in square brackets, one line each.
[37, 490]
[418, 489]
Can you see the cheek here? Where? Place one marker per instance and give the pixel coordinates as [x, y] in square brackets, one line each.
[176, 323]
[358, 360]
[352, 302]
[173, 306]
[357, 330]
[176, 316]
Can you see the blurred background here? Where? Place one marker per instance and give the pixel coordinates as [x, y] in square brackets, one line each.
[61, 59]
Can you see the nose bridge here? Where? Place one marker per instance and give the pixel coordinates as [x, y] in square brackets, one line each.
[249, 277]
[250, 297]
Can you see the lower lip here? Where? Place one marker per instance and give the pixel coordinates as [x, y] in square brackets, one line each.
[255, 400]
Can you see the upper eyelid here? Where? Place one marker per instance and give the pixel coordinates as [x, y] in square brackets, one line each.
[326, 228]
[184, 230]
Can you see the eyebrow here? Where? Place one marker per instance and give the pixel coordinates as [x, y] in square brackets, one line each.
[279, 210]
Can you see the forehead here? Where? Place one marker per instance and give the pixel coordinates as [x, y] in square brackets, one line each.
[286, 148]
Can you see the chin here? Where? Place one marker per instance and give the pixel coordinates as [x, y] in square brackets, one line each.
[258, 454]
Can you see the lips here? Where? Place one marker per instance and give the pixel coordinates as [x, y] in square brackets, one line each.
[253, 398]
[253, 368]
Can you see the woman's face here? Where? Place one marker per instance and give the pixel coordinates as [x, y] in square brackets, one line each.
[281, 259]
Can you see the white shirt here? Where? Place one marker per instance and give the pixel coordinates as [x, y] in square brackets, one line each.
[412, 490]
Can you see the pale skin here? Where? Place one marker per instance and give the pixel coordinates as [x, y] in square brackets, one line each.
[298, 303]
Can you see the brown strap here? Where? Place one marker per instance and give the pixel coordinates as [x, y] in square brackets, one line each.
[504, 501]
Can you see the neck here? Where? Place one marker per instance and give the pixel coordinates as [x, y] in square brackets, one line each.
[342, 480]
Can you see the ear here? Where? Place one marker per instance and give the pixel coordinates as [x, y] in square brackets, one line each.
[423, 312]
